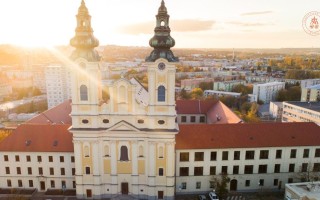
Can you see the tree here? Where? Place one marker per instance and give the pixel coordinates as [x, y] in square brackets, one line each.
[220, 184]
[196, 93]
[243, 89]
[307, 173]
[252, 114]
[184, 94]
[206, 86]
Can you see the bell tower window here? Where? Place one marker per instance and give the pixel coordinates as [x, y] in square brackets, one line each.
[83, 93]
[161, 93]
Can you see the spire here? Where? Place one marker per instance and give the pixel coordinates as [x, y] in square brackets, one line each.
[162, 41]
[84, 41]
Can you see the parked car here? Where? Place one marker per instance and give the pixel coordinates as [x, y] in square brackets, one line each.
[202, 197]
[213, 196]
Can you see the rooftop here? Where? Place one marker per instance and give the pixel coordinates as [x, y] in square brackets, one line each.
[314, 106]
[307, 189]
[258, 135]
[317, 87]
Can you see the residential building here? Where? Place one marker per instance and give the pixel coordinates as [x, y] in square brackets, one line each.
[276, 109]
[58, 84]
[311, 93]
[295, 111]
[267, 92]
[5, 89]
[189, 84]
[302, 191]
[218, 93]
[309, 82]
[227, 85]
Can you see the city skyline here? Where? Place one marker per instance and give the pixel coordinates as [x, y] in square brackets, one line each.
[204, 24]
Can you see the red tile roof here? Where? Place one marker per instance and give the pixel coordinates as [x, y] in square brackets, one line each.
[194, 106]
[208, 136]
[56, 115]
[226, 116]
[39, 138]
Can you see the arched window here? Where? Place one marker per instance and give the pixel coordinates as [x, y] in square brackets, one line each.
[106, 151]
[122, 94]
[140, 151]
[124, 154]
[162, 23]
[86, 151]
[160, 152]
[83, 93]
[161, 93]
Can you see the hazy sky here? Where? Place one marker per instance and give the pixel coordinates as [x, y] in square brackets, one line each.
[194, 23]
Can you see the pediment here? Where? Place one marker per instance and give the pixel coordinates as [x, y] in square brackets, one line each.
[124, 126]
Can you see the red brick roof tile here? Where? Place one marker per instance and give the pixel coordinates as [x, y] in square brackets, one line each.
[208, 136]
[194, 106]
[39, 138]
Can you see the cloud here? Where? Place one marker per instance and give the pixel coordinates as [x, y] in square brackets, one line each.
[184, 25]
[246, 24]
[257, 13]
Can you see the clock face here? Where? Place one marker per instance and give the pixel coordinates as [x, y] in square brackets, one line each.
[161, 66]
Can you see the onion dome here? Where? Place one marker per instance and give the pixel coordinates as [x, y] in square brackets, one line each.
[162, 41]
[84, 41]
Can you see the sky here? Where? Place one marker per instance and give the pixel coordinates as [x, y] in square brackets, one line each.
[193, 23]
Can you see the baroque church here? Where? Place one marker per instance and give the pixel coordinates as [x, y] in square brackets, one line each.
[127, 144]
[141, 143]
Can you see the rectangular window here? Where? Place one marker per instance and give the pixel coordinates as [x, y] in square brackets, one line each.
[63, 184]
[18, 170]
[30, 183]
[304, 167]
[249, 155]
[262, 169]
[212, 170]
[39, 158]
[87, 170]
[28, 158]
[29, 170]
[225, 155]
[317, 153]
[19, 183]
[316, 167]
[5, 158]
[211, 184]
[277, 168]
[291, 167]
[202, 119]
[264, 154]
[224, 169]
[306, 153]
[183, 119]
[61, 159]
[278, 154]
[293, 153]
[236, 169]
[40, 171]
[193, 119]
[248, 169]
[183, 185]
[184, 156]
[275, 182]
[198, 156]
[74, 184]
[290, 180]
[51, 171]
[160, 171]
[7, 170]
[198, 185]
[17, 158]
[73, 171]
[236, 155]
[53, 184]
[72, 159]
[9, 184]
[247, 183]
[184, 171]
[198, 171]
[62, 171]
[213, 155]
[261, 182]
[50, 159]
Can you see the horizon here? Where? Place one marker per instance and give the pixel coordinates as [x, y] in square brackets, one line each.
[202, 25]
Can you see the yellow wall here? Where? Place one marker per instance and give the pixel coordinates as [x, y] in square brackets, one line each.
[107, 166]
[161, 162]
[124, 168]
[86, 161]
